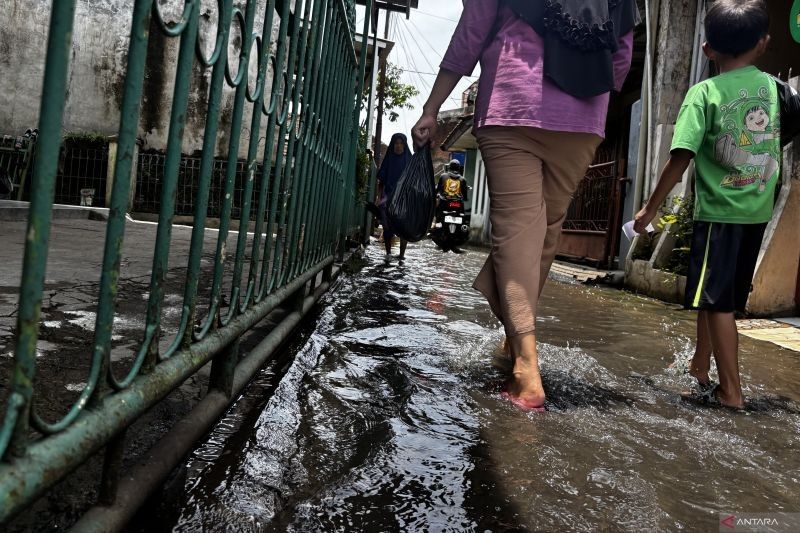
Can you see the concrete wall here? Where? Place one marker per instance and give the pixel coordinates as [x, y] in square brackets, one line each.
[674, 49]
[97, 70]
[98, 57]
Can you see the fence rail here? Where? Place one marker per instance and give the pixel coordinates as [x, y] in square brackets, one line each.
[306, 93]
[150, 181]
[81, 169]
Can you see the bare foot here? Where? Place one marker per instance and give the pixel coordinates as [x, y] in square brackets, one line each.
[699, 371]
[526, 383]
[734, 401]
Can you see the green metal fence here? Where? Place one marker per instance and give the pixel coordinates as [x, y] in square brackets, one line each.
[313, 79]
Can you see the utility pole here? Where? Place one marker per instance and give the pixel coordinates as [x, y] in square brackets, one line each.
[381, 97]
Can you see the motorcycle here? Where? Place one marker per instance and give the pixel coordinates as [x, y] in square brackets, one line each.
[451, 225]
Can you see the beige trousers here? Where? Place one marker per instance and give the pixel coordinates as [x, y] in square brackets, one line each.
[532, 175]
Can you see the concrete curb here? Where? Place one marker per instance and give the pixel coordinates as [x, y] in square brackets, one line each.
[12, 210]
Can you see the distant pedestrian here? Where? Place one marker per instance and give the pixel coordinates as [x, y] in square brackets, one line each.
[394, 163]
[546, 72]
[729, 125]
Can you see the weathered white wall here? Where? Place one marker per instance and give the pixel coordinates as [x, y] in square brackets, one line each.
[98, 51]
[97, 70]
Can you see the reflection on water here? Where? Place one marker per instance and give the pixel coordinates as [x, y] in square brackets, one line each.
[388, 418]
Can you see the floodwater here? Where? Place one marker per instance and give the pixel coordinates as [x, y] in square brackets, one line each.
[388, 418]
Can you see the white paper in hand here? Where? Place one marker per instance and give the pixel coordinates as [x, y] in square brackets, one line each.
[627, 228]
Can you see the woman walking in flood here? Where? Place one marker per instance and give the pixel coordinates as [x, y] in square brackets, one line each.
[394, 163]
[546, 72]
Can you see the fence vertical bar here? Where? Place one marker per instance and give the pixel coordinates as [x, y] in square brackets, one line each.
[309, 73]
[120, 191]
[267, 278]
[296, 179]
[230, 176]
[37, 236]
[186, 333]
[322, 231]
[281, 163]
[112, 463]
[148, 354]
[313, 134]
[247, 193]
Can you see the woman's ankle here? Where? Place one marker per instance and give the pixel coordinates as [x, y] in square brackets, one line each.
[526, 381]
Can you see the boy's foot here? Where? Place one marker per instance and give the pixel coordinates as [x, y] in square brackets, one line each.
[715, 396]
[696, 371]
[731, 401]
[704, 382]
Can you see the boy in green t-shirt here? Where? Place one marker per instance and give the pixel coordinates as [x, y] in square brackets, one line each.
[731, 126]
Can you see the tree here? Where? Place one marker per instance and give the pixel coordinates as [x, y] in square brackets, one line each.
[398, 94]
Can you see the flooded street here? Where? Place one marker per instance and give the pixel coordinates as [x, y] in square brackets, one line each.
[388, 418]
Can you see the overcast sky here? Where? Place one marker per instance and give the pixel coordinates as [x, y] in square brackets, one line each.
[420, 43]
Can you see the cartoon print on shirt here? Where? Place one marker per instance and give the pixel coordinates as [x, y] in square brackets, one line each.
[743, 146]
[452, 187]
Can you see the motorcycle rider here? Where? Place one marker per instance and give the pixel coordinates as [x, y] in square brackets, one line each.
[452, 186]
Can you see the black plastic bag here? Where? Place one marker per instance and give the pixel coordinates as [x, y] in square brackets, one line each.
[373, 209]
[413, 204]
[790, 112]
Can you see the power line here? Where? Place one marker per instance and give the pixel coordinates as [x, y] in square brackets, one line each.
[421, 34]
[410, 58]
[422, 53]
[412, 73]
[419, 48]
[435, 16]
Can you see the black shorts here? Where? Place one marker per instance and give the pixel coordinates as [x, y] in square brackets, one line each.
[721, 265]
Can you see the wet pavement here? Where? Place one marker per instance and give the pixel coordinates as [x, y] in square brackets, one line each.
[387, 417]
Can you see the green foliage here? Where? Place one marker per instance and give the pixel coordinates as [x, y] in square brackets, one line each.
[363, 163]
[398, 94]
[644, 248]
[681, 219]
[86, 138]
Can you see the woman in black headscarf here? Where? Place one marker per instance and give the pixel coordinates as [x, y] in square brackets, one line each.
[394, 163]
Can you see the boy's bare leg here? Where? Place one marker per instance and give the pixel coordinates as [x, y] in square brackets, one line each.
[527, 382]
[725, 340]
[700, 364]
[403, 244]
